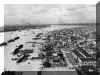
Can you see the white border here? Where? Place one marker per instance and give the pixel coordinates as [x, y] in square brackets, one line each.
[1, 39]
[48, 1]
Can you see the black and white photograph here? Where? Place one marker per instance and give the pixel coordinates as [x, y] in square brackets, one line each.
[50, 37]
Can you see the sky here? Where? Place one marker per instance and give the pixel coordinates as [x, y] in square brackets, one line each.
[22, 14]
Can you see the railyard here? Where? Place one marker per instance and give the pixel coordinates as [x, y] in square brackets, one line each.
[62, 49]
